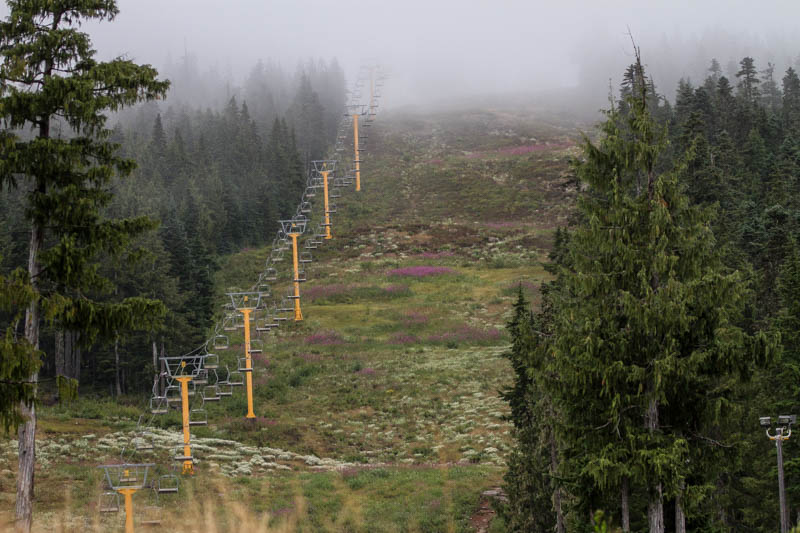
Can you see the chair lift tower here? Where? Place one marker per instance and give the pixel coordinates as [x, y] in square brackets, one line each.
[356, 111]
[324, 168]
[246, 303]
[183, 371]
[294, 228]
[126, 479]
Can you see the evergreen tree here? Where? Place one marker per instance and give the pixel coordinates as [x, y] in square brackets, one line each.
[48, 71]
[534, 497]
[306, 115]
[748, 81]
[645, 324]
[771, 94]
[791, 102]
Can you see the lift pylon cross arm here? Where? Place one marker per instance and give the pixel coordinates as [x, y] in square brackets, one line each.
[126, 479]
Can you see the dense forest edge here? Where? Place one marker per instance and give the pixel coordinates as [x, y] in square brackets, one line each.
[671, 324]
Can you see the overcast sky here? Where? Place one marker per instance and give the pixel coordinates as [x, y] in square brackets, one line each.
[436, 49]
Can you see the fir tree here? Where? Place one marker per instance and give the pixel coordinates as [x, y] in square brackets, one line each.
[48, 71]
[644, 329]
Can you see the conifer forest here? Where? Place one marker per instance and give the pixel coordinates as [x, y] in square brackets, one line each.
[421, 267]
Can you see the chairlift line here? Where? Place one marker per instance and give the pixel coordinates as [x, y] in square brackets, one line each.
[193, 377]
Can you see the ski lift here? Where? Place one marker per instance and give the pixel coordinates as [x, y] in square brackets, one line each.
[151, 515]
[256, 346]
[305, 207]
[221, 343]
[211, 361]
[168, 484]
[198, 417]
[159, 405]
[180, 455]
[200, 376]
[247, 300]
[109, 502]
[173, 393]
[310, 192]
[126, 476]
[305, 257]
[232, 322]
[281, 243]
[301, 276]
[286, 306]
[332, 207]
[265, 290]
[211, 393]
[270, 274]
[319, 231]
[236, 379]
[243, 365]
[311, 244]
[263, 324]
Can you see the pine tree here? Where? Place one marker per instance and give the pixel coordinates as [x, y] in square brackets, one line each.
[48, 71]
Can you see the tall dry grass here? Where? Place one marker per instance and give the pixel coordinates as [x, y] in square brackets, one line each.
[216, 510]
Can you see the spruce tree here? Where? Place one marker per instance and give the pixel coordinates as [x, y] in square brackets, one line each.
[48, 76]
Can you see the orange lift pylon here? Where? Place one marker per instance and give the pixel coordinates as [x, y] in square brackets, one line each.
[298, 314]
[325, 174]
[126, 479]
[295, 228]
[188, 467]
[246, 303]
[356, 155]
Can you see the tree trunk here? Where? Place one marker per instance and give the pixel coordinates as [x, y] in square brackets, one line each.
[60, 356]
[155, 358]
[626, 512]
[560, 526]
[116, 364]
[76, 355]
[680, 518]
[655, 508]
[27, 431]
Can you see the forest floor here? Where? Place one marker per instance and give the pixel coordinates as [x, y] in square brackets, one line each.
[381, 410]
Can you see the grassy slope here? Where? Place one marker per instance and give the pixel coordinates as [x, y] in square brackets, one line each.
[379, 412]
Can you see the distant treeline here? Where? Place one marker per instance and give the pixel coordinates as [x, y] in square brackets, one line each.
[217, 179]
[672, 324]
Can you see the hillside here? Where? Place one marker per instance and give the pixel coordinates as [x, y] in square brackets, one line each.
[380, 411]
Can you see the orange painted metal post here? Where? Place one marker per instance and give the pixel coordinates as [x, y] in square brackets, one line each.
[356, 154]
[327, 209]
[128, 493]
[187, 438]
[248, 363]
[298, 315]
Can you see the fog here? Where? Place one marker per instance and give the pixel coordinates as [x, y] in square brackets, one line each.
[440, 51]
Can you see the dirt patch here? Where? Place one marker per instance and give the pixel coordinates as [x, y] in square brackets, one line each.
[482, 518]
